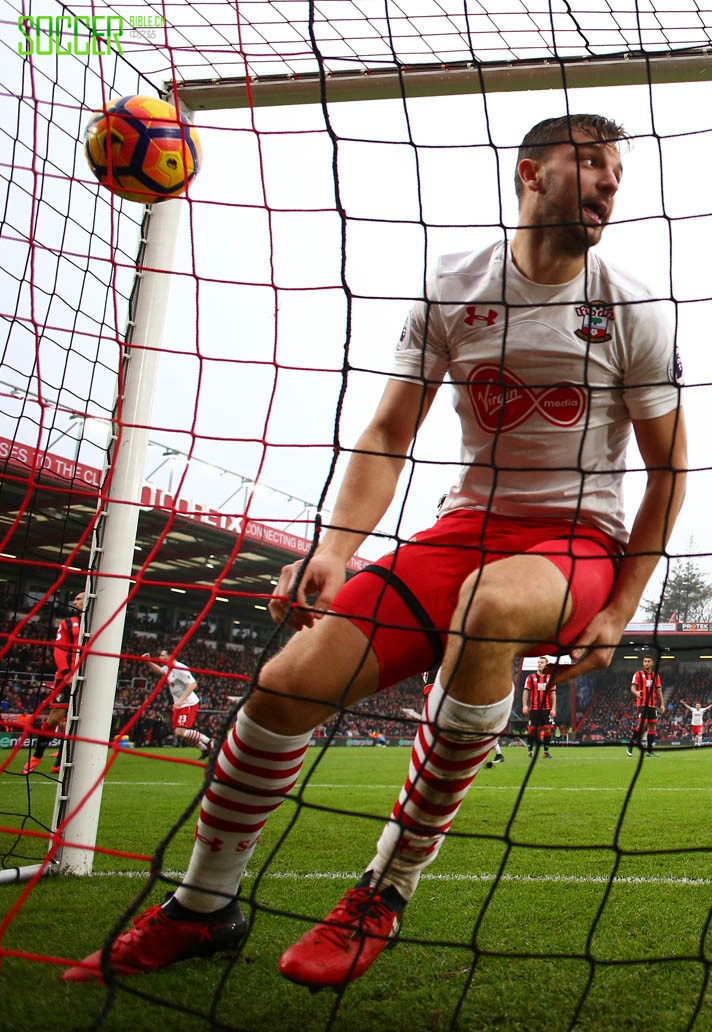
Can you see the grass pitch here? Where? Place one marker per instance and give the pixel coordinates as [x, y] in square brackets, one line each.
[573, 893]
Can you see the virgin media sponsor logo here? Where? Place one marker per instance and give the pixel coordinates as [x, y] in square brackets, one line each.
[501, 401]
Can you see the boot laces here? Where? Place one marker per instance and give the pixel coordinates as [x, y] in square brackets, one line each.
[348, 919]
[139, 922]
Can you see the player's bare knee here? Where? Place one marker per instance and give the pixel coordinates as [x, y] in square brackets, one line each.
[484, 610]
[284, 699]
[287, 675]
[285, 714]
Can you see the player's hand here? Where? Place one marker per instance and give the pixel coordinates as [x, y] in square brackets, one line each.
[320, 580]
[595, 648]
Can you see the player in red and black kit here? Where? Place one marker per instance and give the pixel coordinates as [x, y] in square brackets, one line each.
[647, 688]
[539, 704]
[66, 648]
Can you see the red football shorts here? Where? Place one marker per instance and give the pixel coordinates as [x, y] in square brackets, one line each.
[185, 716]
[404, 603]
[59, 697]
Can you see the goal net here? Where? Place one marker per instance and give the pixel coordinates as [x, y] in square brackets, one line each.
[182, 386]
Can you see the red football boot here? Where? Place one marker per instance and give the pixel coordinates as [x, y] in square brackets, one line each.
[156, 940]
[345, 944]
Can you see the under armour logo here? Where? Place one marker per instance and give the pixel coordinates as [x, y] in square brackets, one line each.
[502, 401]
[215, 844]
[473, 315]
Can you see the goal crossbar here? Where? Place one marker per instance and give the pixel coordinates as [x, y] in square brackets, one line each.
[430, 80]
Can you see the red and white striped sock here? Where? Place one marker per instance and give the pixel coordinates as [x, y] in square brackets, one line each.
[191, 736]
[254, 771]
[450, 746]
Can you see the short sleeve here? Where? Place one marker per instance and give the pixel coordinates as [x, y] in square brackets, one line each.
[422, 352]
[653, 375]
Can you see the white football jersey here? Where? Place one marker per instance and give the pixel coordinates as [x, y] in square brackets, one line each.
[179, 677]
[546, 380]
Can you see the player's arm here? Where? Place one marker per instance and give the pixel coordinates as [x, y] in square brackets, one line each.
[146, 657]
[552, 696]
[662, 443]
[366, 491]
[525, 699]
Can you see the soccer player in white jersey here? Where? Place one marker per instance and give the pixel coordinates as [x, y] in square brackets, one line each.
[554, 356]
[697, 716]
[186, 702]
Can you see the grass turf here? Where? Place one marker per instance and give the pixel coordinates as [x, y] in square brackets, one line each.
[572, 893]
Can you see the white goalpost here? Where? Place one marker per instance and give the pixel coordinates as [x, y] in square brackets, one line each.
[80, 786]
[81, 782]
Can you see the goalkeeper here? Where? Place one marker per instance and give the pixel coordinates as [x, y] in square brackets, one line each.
[554, 357]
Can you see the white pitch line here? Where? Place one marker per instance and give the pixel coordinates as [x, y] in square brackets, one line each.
[479, 786]
[49, 783]
[556, 879]
[150, 784]
[533, 879]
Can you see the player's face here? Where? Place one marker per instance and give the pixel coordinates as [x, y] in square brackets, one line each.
[648, 664]
[578, 183]
[78, 602]
[541, 665]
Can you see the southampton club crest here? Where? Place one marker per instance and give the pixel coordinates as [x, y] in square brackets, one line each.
[595, 318]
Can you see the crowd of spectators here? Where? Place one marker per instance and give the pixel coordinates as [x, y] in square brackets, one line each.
[610, 714]
[381, 714]
[605, 707]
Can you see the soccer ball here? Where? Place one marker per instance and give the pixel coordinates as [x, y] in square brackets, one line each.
[142, 150]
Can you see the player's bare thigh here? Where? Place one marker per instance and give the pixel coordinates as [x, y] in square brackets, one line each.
[504, 610]
[320, 670]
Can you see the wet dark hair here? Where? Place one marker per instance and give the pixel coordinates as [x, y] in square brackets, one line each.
[553, 131]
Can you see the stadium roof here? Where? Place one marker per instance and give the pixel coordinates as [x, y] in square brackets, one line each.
[48, 504]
